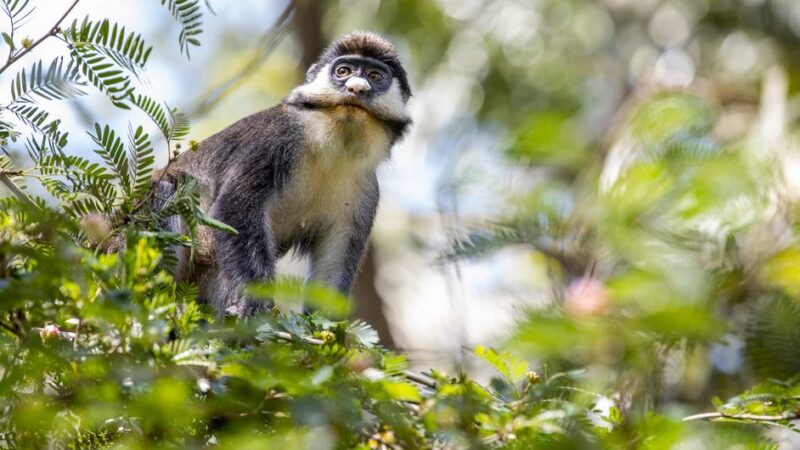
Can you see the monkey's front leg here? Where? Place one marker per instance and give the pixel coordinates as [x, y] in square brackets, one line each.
[245, 257]
[337, 255]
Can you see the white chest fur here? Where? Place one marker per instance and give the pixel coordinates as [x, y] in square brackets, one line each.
[343, 146]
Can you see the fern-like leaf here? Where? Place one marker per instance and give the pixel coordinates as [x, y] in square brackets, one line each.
[5, 129]
[172, 124]
[34, 117]
[773, 338]
[84, 206]
[142, 162]
[128, 50]
[30, 115]
[18, 12]
[85, 179]
[7, 132]
[102, 50]
[190, 16]
[156, 113]
[180, 125]
[113, 153]
[363, 333]
[56, 83]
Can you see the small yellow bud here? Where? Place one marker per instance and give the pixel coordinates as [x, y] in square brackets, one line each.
[387, 436]
[533, 377]
[327, 336]
[193, 145]
[27, 42]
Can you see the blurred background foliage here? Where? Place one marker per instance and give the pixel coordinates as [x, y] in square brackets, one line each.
[606, 192]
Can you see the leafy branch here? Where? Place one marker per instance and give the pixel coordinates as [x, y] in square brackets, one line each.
[52, 32]
[101, 51]
[15, 11]
[57, 83]
[412, 376]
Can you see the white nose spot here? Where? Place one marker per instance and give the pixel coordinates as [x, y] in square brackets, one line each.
[357, 85]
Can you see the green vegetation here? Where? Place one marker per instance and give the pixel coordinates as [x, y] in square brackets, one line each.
[667, 240]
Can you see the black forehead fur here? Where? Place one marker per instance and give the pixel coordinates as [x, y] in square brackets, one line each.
[370, 45]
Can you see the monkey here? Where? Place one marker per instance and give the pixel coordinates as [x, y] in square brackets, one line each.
[298, 176]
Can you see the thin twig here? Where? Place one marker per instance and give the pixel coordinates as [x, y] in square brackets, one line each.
[77, 335]
[288, 337]
[420, 378]
[8, 183]
[52, 32]
[719, 415]
[11, 329]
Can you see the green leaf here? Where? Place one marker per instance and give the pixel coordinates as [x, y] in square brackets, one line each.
[773, 337]
[9, 40]
[97, 47]
[35, 118]
[512, 367]
[18, 13]
[394, 363]
[142, 161]
[190, 16]
[400, 390]
[113, 153]
[209, 221]
[88, 186]
[173, 124]
[57, 83]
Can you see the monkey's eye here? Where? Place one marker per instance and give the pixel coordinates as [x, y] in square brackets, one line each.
[376, 76]
[343, 71]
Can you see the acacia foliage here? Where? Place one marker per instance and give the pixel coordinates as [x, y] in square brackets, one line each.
[105, 350]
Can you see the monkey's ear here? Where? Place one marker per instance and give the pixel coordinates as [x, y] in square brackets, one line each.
[312, 71]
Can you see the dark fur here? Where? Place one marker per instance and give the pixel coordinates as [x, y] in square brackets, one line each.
[256, 156]
[240, 168]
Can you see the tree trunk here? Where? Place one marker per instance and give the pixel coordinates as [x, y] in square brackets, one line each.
[369, 304]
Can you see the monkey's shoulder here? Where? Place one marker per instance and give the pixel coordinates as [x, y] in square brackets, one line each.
[271, 132]
[278, 126]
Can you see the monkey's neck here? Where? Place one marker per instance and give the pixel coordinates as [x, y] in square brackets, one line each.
[345, 134]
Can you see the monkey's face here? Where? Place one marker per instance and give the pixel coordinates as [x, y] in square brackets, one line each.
[360, 77]
[353, 81]
[360, 71]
